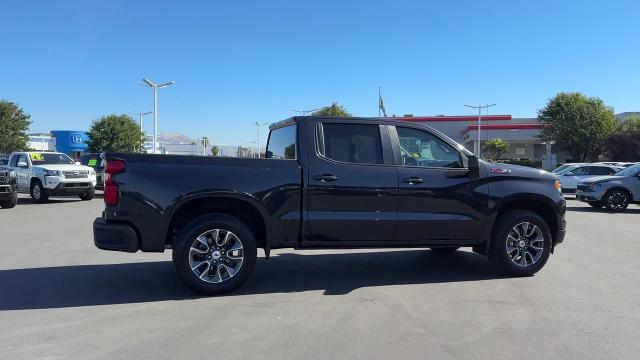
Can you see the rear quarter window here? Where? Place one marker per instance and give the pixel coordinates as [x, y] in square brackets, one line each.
[282, 143]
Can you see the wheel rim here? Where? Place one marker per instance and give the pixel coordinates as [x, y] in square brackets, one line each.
[617, 200]
[36, 191]
[525, 244]
[216, 255]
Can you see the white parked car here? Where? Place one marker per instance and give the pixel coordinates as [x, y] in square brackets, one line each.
[571, 176]
[42, 174]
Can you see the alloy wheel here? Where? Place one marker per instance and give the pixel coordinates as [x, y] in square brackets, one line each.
[525, 244]
[617, 200]
[216, 255]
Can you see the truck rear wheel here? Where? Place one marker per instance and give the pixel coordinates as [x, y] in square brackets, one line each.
[215, 254]
[521, 242]
[37, 192]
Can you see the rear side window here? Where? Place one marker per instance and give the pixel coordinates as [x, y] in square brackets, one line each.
[352, 143]
[282, 143]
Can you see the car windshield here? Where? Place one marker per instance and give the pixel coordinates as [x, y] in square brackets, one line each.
[630, 171]
[567, 169]
[93, 160]
[49, 159]
[561, 168]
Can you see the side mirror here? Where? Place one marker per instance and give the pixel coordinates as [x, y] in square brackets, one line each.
[569, 174]
[474, 166]
[22, 164]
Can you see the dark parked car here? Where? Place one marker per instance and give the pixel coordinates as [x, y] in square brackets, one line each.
[96, 161]
[328, 183]
[8, 188]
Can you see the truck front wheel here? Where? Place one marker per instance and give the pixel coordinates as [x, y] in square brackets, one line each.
[215, 254]
[37, 192]
[89, 195]
[521, 242]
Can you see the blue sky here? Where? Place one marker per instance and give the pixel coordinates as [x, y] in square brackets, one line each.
[234, 62]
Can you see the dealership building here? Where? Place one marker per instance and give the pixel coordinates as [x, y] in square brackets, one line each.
[70, 142]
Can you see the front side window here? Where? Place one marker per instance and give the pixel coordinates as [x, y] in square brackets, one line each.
[282, 143]
[579, 171]
[352, 143]
[420, 148]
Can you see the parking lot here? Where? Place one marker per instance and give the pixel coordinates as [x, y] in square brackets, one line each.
[61, 298]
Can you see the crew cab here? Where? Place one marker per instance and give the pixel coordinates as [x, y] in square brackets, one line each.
[328, 183]
[614, 192]
[43, 174]
[8, 188]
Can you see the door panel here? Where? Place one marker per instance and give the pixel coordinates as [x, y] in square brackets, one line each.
[437, 200]
[347, 200]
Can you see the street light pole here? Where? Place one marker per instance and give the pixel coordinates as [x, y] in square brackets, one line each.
[155, 88]
[479, 107]
[258, 125]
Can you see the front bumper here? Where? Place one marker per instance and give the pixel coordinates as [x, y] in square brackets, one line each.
[74, 188]
[114, 236]
[587, 196]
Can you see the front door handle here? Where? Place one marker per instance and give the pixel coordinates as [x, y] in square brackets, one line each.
[325, 177]
[413, 180]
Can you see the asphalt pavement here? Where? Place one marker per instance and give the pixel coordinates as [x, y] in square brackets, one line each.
[62, 298]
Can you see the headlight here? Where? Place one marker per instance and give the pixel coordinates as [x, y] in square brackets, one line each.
[596, 186]
[51, 173]
[92, 172]
[557, 185]
[12, 174]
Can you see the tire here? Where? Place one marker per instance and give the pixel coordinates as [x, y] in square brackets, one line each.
[446, 250]
[189, 249]
[10, 203]
[37, 192]
[616, 200]
[537, 239]
[595, 204]
[89, 195]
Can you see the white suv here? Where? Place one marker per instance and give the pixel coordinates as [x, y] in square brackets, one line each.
[42, 174]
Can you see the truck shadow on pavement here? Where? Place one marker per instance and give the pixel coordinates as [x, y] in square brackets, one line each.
[336, 274]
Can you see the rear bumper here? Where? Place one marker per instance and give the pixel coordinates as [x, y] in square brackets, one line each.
[115, 237]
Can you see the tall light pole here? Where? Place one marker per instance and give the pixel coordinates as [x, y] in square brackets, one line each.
[479, 107]
[140, 115]
[258, 125]
[155, 88]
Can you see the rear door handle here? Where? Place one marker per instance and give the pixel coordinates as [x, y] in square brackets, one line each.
[325, 177]
[413, 180]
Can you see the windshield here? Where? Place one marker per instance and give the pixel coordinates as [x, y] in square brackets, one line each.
[49, 159]
[93, 160]
[562, 167]
[630, 171]
[566, 170]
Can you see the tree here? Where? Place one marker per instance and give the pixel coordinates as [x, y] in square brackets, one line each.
[14, 124]
[215, 150]
[579, 124]
[118, 133]
[624, 144]
[333, 110]
[496, 147]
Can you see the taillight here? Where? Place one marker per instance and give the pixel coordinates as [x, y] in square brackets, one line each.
[111, 191]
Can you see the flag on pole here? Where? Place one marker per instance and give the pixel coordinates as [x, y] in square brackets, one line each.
[381, 104]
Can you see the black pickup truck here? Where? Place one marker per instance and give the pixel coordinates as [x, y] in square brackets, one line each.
[8, 188]
[328, 183]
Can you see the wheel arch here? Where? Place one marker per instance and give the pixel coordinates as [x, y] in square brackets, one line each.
[244, 209]
[539, 205]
